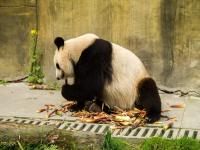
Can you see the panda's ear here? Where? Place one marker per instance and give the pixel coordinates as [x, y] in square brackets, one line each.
[59, 41]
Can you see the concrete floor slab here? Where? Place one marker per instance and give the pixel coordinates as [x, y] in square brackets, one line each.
[191, 117]
[19, 101]
[167, 101]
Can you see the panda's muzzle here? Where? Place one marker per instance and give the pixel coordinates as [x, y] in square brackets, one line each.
[61, 77]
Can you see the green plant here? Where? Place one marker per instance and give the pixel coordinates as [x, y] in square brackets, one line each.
[111, 143]
[7, 146]
[3, 82]
[27, 146]
[159, 143]
[46, 147]
[36, 74]
[20, 145]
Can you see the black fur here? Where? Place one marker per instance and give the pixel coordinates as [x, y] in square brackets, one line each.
[57, 66]
[59, 41]
[91, 72]
[149, 99]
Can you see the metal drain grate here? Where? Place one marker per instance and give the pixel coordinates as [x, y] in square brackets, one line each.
[145, 132]
[141, 132]
[86, 127]
[30, 121]
[189, 133]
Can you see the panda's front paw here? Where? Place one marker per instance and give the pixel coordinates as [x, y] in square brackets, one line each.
[75, 108]
[64, 88]
[78, 107]
[65, 91]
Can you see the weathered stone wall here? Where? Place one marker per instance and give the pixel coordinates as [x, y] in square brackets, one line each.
[17, 17]
[165, 34]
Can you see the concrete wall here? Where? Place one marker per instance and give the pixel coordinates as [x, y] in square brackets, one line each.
[165, 34]
[17, 17]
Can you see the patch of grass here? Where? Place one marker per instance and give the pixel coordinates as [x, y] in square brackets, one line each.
[159, 143]
[111, 143]
[7, 146]
[40, 147]
[27, 146]
[3, 82]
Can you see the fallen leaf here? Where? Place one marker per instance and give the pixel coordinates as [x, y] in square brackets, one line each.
[59, 113]
[51, 113]
[158, 122]
[122, 118]
[166, 110]
[100, 116]
[114, 127]
[172, 119]
[179, 105]
[40, 87]
[168, 125]
[135, 110]
[68, 104]
[142, 113]
[49, 105]
[137, 122]
[125, 123]
[88, 120]
[41, 110]
[81, 114]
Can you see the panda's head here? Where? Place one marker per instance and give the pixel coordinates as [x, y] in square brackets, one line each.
[62, 60]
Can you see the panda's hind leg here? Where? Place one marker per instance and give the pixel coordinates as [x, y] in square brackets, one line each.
[149, 99]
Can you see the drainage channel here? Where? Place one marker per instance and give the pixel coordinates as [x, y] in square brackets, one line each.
[128, 132]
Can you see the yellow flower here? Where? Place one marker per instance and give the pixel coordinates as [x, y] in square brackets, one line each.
[33, 32]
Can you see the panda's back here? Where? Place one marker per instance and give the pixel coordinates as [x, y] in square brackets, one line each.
[76, 45]
[128, 70]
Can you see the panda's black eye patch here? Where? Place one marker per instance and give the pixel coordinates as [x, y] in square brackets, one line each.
[57, 66]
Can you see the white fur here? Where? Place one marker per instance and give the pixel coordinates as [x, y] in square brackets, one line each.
[61, 57]
[128, 70]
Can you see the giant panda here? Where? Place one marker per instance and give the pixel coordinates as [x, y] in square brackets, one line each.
[106, 72]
